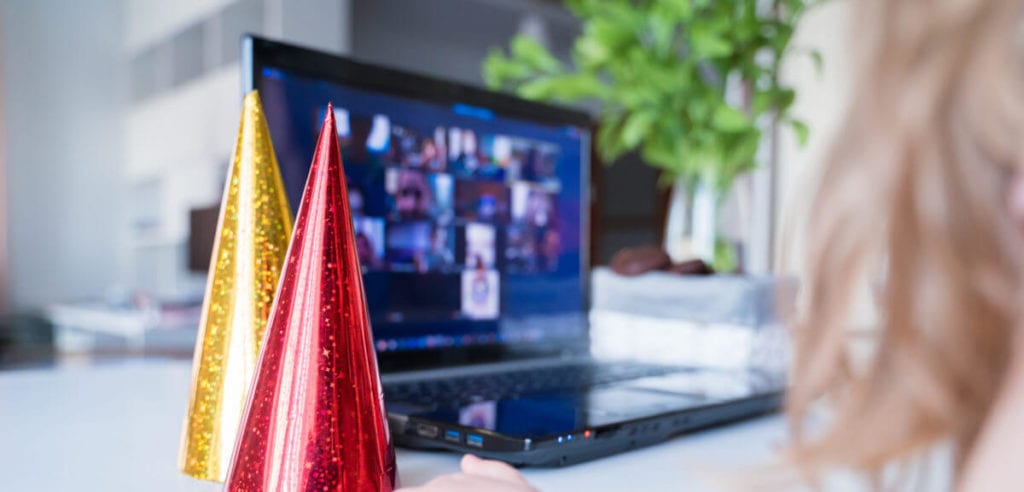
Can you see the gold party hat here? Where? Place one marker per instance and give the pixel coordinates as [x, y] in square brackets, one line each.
[253, 231]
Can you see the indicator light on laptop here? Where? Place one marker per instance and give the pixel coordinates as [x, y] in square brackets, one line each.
[568, 438]
[475, 440]
[559, 439]
[586, 434]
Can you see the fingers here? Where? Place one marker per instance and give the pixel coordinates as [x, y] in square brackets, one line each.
[471, 465]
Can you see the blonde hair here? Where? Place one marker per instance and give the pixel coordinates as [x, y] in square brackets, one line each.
[912, 204]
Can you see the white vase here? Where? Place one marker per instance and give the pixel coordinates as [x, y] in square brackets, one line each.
[691, 224]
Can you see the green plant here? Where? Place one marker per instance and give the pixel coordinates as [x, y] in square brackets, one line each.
[660, 69]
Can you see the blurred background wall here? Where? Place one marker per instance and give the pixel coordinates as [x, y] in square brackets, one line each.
[823, 98]
[119, 116]
[63, 108]
[3, 198]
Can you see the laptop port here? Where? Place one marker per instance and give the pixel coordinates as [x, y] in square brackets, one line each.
[452, 436]
[475, 440]
[426, 430]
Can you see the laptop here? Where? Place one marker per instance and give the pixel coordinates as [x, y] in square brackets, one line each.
[471, 212]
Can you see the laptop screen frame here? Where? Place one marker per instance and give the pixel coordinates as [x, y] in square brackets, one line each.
[258, 53]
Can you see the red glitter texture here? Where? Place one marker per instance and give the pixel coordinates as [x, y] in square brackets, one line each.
[315, 417]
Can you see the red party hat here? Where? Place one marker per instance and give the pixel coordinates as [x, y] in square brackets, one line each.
[315, 417]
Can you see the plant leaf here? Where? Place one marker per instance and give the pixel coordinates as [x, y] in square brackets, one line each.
[729, 119]
[819, 62]
[659, 69]
[530, 52]
[568, 88]
[801, 131]
[662, 149]
[590, 53]
[681, 9]
[706, 43]
[608, 144]
[725, 260]
[761, 102]
[499, 71]
[784, 99]
[636, 127]
[662, 29]
[742, 154]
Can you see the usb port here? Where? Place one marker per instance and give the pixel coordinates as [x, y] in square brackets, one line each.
[475, 440]
[426, 430]
[453, 436]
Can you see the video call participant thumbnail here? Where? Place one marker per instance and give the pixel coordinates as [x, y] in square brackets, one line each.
[481, 201]
[420, 247]
[480, 293]
[417, 195]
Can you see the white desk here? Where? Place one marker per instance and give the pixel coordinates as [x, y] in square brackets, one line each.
[116, 427]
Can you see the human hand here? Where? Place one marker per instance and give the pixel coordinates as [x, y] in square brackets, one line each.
[478, 475]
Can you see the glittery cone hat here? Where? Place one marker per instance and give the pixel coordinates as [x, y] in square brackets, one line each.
[249, 250]
[315, 418]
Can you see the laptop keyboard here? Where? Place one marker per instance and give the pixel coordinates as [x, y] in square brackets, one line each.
[500, 385]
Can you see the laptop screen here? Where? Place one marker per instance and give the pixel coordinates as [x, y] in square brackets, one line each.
[468, 222]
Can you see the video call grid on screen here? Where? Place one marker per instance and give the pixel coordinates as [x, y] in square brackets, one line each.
[467, 223]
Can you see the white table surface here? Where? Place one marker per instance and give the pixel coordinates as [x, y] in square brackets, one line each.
[116, 426]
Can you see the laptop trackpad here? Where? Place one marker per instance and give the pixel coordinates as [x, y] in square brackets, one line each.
[609, 405]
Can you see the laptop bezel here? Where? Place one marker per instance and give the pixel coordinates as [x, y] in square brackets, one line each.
[258, 52]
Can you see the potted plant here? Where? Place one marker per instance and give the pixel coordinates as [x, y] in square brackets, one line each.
[688, 84]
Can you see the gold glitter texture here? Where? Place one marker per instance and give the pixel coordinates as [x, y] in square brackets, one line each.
[253, 231]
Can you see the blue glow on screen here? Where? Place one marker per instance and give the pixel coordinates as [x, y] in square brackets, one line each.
[473, 111]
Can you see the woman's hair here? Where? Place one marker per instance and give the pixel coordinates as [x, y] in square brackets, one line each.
[912, 208]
